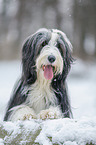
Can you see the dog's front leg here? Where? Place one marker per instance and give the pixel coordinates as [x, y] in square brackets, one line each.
[51, 113]
[22, 112]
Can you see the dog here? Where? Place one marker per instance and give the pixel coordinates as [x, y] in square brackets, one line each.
[41, 92]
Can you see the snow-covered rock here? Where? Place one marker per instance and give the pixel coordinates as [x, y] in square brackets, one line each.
[58, 131]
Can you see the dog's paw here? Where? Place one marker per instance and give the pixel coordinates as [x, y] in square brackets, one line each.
[29, 116]
[22, 113]
[51, 113]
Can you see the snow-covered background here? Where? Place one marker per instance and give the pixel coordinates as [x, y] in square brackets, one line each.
[82, 91]
[82, 88]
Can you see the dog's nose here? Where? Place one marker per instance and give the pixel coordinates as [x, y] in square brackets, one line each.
[51, 58]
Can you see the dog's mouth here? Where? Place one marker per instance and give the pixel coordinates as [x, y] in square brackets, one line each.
[49, 71]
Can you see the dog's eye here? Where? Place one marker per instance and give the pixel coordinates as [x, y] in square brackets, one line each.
[40, 46]
[61, 48]
[44, 43]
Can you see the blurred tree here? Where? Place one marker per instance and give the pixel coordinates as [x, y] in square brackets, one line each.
[84, 23]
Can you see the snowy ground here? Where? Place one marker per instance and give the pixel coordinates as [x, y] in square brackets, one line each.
[49, 132]
[82, 92]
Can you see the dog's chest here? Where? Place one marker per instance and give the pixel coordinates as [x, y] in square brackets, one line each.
[41, 98]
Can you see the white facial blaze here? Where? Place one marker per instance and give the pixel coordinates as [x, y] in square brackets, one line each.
[53, 41]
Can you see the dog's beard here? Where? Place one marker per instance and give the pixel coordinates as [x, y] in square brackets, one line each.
[44, 67]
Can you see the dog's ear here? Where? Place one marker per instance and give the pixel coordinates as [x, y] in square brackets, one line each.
[66, 52]
[28, 60]
[67, 59]
[31, 50]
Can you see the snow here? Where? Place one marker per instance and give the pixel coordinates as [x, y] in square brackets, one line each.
[78, 131]
[58, 131]
[9, 73]
[65, 130]
[82, 89]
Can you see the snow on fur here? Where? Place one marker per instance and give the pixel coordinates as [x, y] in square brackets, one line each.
[59, 131]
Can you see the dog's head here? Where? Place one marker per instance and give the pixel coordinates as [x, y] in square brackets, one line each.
[46, 53]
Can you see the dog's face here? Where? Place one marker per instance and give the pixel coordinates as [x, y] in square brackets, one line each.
[46, 54]
[49, 63]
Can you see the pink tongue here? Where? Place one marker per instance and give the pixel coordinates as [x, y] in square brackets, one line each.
[48, 72]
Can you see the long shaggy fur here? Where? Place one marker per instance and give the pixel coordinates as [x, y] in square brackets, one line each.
[34, 96]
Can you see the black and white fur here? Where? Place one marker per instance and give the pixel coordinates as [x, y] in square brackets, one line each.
[35, 96]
